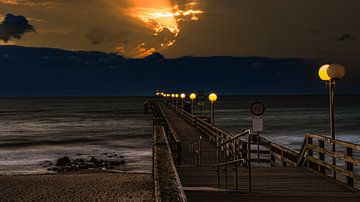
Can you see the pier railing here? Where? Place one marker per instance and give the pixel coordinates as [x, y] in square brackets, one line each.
[218, 136]
[315, 153]
[174, 140]
[167, 184]
[286, 156]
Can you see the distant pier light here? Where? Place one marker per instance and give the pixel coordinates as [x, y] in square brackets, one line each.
[176, 100]
[173, 98]
[192, 98]
[331, 73]
[182, 96]
[212, 98]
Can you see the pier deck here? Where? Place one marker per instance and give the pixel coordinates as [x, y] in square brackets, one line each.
[268, 183]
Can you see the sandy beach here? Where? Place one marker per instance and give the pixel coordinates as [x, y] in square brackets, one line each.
[79, 186]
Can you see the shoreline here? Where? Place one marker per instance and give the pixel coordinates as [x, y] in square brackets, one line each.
[77, 186]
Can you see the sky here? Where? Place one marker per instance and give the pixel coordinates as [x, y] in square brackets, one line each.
[308, 29]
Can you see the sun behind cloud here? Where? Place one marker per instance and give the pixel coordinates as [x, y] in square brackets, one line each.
[163, 18]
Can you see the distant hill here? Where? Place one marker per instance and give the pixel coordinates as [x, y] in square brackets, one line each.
[28, 71]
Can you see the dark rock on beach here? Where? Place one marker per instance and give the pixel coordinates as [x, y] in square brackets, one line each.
[65, 161]
[65, 164]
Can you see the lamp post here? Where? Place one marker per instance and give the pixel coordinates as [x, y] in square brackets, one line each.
[331, 73]
[212, 97]
[176, 100]
[168, 98]
[172, 98]
[192, 97]
[182, 96]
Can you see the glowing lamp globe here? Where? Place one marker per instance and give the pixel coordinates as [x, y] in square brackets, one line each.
[213, 97]
[182, 95]
[192, 96]
[173, 95]
[176, 95]
[331, 71]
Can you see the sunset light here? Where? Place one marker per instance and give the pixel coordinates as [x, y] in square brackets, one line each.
[163, 18]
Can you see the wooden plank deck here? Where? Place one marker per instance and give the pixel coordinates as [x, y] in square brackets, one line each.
[269, 184]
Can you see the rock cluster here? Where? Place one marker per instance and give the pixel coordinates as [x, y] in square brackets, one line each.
[65, 164]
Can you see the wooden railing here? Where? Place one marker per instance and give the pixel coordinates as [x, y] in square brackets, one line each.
[173, 138]
[317, 154]
[316, 151]
[218, 136]
[286, 156]
[167, 184]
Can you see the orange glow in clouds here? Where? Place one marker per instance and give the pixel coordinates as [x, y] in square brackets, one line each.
[162, 17]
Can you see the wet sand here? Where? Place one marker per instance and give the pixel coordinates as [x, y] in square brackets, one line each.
[84, 186]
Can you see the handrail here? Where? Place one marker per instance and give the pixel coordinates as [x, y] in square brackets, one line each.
[225, 164]
[228, 162]
[195, 152]
[245, 154]
[235, 137]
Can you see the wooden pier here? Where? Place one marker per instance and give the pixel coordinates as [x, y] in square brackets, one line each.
[213, 165]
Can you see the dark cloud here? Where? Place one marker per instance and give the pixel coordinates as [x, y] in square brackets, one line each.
[14, 27]
[98, 36]
[345, 37]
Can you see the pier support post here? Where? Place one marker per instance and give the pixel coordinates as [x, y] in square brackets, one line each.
[249, 161]
[349, 167]
[310, 152]
[321, 156]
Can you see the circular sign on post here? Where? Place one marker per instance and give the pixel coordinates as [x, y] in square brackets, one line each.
[257, 108]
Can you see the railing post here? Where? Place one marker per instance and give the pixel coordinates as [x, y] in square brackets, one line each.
[226, 177]
[349, 167]
[218, 168]
[179, 152]
[234, 158]
[249, 161]
[200, 150]
[310, 152]
[283, 161]
[272, 157]
[321, 156]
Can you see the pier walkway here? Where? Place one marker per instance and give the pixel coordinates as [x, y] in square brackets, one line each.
[205, 178]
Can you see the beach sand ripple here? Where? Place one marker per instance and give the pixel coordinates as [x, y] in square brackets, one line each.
[84, 186]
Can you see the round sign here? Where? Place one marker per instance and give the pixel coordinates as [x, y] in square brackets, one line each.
[257, 108]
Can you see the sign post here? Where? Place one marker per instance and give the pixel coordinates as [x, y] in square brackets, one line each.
[258, 109]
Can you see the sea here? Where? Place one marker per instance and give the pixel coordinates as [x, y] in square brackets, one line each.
[35, 131]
